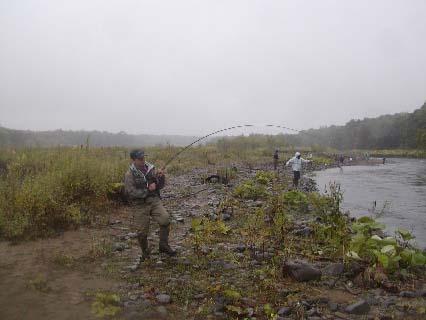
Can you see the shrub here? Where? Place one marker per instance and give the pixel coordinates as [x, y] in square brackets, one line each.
[250, 190]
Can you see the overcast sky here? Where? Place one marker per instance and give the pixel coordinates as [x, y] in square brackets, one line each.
[192, 67]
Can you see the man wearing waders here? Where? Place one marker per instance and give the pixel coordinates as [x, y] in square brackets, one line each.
[296, 164]
[142, 184]
[275, 157]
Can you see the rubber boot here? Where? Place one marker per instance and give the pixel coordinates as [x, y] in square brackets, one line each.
[143, 242]
[164, 242]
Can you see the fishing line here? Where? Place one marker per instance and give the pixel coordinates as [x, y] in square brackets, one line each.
[222, 130]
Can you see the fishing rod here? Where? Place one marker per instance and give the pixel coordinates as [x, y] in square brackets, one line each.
[222, 130]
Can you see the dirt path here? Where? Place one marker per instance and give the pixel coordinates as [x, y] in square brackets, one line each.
[45, 279]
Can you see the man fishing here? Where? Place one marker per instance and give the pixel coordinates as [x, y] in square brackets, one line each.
[296, 164]
[142, 183]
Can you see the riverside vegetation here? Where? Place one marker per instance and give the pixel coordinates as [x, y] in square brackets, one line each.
[250, 248]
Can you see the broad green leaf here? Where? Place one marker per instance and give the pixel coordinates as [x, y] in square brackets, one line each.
[418, 259]
[388, 249]
[406, 256]
[377, 226]
[376, 237]
[353, 255]
[389, 240]
[382, 258]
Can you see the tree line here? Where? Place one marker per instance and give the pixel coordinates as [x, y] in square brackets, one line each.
[25, 138]
[398, 131]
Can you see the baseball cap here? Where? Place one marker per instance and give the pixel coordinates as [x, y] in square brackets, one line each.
[137, 154]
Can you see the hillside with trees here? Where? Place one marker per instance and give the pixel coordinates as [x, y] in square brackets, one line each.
[25, 138]
[398, 131]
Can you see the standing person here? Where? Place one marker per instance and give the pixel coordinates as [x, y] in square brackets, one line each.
[142, 184]
[296, 164]
[275, 157]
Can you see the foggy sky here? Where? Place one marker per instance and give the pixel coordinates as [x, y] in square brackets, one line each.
[192, 67]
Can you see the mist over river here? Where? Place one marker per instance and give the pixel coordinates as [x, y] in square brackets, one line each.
[397, 190]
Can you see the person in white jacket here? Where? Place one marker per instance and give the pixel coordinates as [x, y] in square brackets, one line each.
[296, 164]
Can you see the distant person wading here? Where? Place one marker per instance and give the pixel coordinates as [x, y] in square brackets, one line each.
[296, 164]
[142, 184]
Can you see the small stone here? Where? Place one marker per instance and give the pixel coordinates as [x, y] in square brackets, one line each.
[132, 235]
[305, 232]
[226, 217]
[249, 302]
[199, 296]
[372, 301]
[131, 268]
[284, 292]
[313, 313]
[240, 248]
[340, 315]
[408, 294]
[129, 304]
[216, 264]
[320, 300]
[334, 269]
[250, 312]
[284, 311]
[333, 306]
[359, 307]
[163, 298]
[421, 293]
[118, 246]
[230, 266]
[389, 302]
[390, 287]
[133, 297]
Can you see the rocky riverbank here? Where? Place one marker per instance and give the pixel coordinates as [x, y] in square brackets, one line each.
[252, 248]
[220, 273]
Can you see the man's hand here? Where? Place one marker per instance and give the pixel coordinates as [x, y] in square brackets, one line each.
[152, 186]
[161, 172]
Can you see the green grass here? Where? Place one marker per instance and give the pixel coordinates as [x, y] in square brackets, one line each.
[46, 190]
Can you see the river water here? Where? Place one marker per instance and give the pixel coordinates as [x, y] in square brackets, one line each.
[396, 190]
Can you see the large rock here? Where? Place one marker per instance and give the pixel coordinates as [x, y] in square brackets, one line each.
[359, 307]
[334, 269]
[301, 270]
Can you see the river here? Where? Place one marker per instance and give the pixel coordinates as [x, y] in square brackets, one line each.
[396, 190]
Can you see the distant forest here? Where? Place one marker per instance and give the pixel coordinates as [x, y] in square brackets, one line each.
[24, 138]
[398, 131]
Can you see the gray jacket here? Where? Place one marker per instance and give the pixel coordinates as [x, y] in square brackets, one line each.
[136, 187]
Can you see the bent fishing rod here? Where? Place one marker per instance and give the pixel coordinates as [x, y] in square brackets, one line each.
[223, 130]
